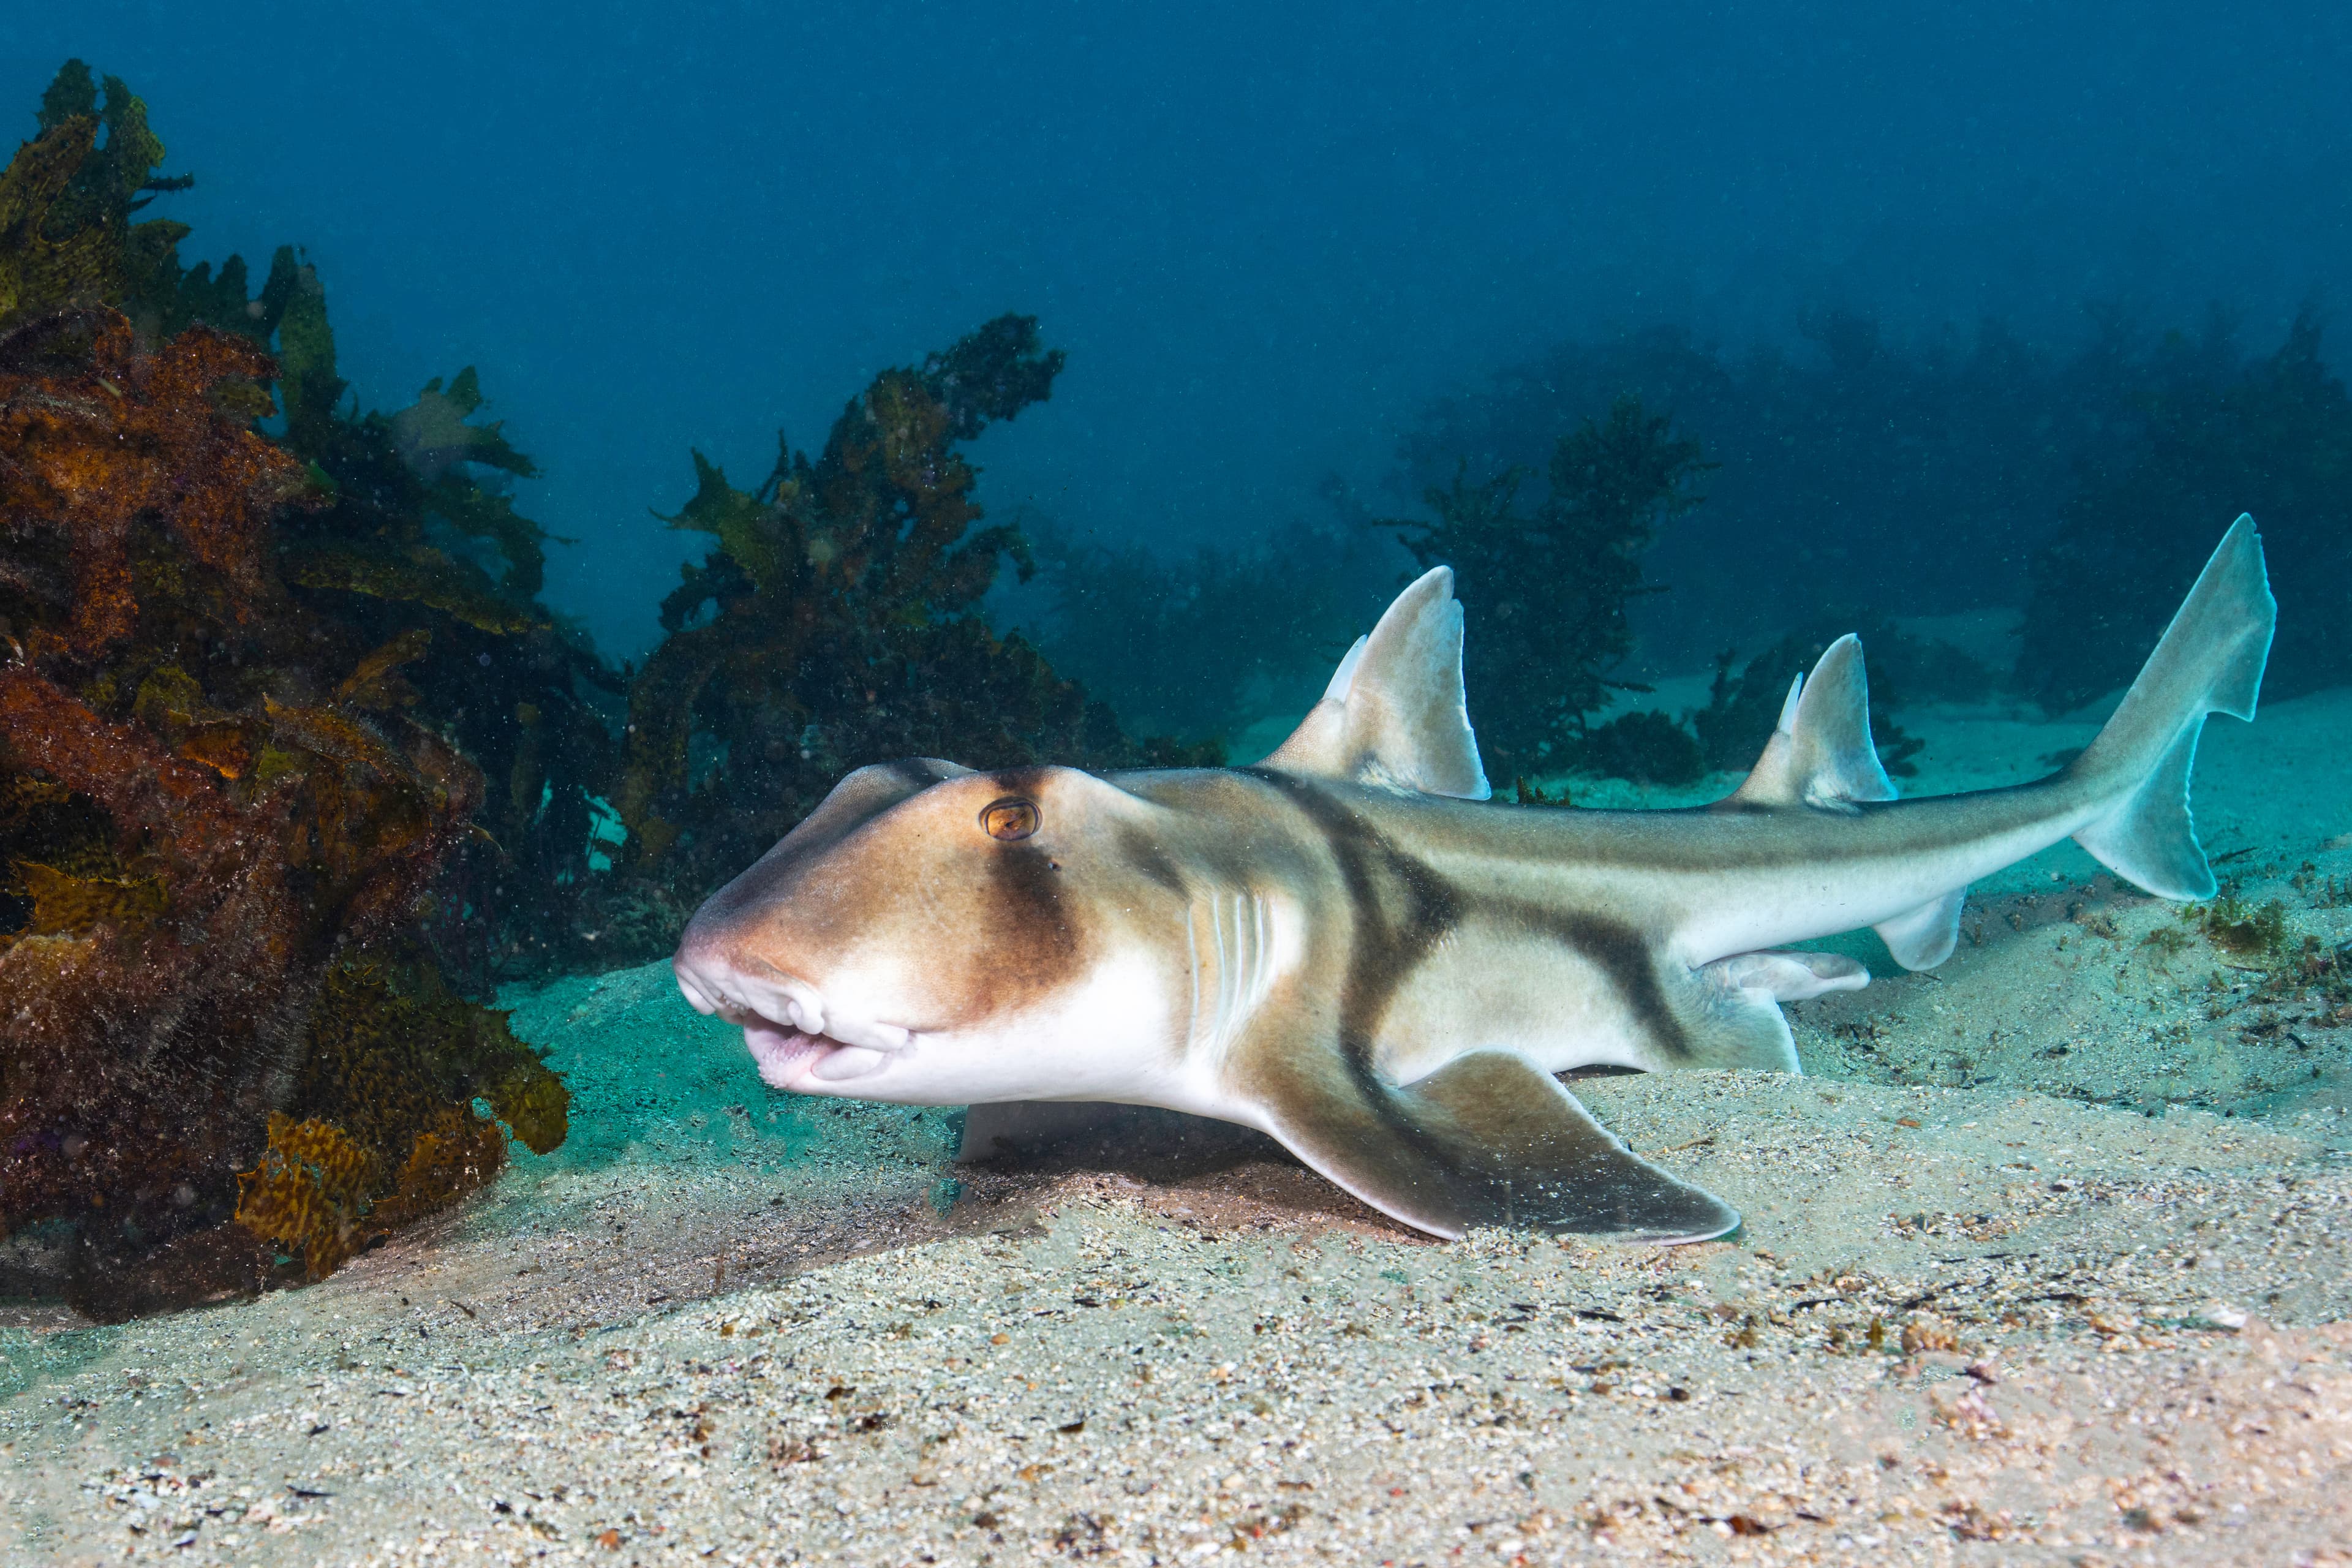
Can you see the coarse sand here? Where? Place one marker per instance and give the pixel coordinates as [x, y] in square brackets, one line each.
[2043, 1262]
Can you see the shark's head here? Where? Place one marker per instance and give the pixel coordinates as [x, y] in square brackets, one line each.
[931, 935]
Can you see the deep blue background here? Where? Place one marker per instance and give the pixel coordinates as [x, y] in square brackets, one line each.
[1266, 233]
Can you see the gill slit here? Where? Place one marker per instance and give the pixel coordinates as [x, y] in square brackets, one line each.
[1225, 976]
[1193, 959]
[1244, 965]
[1240, 947]
[1261, 970]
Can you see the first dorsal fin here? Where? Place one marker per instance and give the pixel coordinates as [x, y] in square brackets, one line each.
[1821, 753]
[1394, 713]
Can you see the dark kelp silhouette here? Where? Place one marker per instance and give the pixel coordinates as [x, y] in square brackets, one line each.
[837, 623]
[2207, 431]
[1547, 591]
[1196, 643]
[1959, 471]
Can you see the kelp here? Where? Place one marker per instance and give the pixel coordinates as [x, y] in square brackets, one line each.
[416, 525]
[836, 625]
[417, 528]
[201, 823]
[1559, 584]
[388, 1133]
[1854, 456]
[1197, 643]
[2213, 432]
[1548, 592]
[2083, 475]
[65, 200]
[227, 808]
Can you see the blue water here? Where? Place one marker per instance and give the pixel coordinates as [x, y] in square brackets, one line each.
[1267, 236]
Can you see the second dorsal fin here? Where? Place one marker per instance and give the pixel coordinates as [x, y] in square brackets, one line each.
[1394, 713]
[1821, 753]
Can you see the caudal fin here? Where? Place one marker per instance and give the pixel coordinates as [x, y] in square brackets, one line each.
[2210, 660]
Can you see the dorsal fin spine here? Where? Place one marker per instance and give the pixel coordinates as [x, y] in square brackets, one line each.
[1786, 723]
[1344, 677]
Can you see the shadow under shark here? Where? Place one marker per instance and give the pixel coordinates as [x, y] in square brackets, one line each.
[1348, 947]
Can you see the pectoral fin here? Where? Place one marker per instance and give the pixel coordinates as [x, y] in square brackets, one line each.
[1488, 1140]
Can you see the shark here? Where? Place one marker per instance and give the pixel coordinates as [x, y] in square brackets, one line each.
[1351, 947]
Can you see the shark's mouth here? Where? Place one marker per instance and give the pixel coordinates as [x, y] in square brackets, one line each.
[785, 1024]
[788, 1057]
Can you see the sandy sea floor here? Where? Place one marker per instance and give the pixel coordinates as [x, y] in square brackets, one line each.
[2045, 1262]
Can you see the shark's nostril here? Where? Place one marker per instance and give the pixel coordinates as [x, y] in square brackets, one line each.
[766, 1003]
[696, 995]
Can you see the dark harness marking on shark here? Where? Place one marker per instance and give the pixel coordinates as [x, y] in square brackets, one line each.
[1143, 852]
[1378, 967]
[1384, 951]
[1618, 950]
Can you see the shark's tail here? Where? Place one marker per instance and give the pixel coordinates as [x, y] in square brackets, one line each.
[2210, 661]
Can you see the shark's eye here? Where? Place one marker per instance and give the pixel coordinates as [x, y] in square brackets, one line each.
[1009, 818]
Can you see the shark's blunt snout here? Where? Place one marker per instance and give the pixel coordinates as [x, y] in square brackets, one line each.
[791, 1033]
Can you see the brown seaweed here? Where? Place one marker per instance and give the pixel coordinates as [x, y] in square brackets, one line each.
[221, 823]
[1550, 591]
[836, 625]
[2213, 431]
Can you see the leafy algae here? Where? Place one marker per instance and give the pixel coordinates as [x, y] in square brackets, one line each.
[295, 766]
[221, 820]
